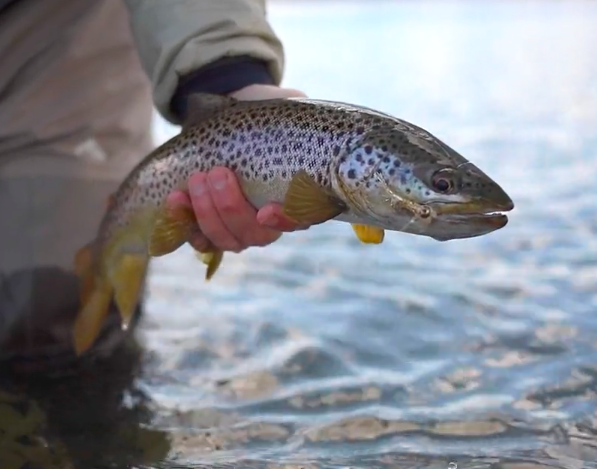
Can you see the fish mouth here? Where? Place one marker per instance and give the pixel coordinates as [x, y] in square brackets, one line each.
[470, 220]
[478, 209]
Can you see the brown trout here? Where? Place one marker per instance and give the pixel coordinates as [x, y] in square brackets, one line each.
[321, 160]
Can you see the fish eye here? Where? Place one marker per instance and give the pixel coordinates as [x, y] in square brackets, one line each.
[443, 181]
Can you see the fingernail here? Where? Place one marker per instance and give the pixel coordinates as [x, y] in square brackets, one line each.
[218, 180]
[197, 187]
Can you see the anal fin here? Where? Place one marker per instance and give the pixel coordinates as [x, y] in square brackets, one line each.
[212, 260]
[369, 234]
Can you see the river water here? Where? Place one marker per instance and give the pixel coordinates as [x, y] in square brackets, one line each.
[320, 352]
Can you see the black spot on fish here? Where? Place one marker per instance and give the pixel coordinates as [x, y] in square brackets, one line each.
[352, 174]
[397, 163]
[368, 149]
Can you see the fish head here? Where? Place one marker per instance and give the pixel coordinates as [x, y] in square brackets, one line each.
[404, 179]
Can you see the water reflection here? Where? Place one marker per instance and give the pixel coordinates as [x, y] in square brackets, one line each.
[319, 352]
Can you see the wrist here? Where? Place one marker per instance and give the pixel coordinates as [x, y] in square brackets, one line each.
[223, 77]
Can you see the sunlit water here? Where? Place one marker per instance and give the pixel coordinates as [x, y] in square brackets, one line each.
[321, 352]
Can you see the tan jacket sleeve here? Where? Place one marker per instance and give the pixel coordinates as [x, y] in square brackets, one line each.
[176, 37]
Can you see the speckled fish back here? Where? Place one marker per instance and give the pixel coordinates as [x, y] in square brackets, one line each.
[264, 142]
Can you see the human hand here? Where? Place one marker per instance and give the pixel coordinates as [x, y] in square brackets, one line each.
[225, 218]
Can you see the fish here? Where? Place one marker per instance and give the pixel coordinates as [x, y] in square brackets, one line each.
[321, 160]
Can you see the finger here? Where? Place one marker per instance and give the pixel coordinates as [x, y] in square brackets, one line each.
[273, 217]
[179, 200]
[237, 214]
[208, 218]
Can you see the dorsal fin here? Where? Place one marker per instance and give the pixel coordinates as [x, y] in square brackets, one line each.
[201, 106]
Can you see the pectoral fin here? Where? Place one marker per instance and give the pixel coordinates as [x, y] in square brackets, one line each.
[172, 228]
[307, 203]
[128, 277]
[369, 234]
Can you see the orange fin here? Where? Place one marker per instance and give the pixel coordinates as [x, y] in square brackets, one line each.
[171, 230]
[368, 234]
[127, 279]
[83, 261]
[89, 322]
[212, 260]
[307, 203]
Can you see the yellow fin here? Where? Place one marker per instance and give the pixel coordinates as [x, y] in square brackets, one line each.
[308, 203]
[171, 230]
[83, 261]
[89, 322]
[127, 278]
[212, 260]
[368, 234]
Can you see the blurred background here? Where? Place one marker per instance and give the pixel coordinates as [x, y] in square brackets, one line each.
[320, 352]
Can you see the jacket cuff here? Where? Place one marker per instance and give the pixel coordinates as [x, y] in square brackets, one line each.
[224, 76]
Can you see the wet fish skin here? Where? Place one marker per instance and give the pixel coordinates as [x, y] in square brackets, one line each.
[322, 160]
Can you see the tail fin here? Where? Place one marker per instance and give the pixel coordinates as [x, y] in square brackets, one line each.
[95, 297]
[122, 278]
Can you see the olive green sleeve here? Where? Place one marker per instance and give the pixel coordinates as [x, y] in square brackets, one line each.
[177, 37]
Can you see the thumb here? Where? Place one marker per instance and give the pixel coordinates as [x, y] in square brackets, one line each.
[258, 92]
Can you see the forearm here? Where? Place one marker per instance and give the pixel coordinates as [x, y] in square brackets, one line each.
[202, 45]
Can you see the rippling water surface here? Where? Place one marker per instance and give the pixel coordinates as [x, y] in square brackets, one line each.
[321, 352]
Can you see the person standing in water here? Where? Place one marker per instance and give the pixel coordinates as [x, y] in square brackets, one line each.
[78, 87]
